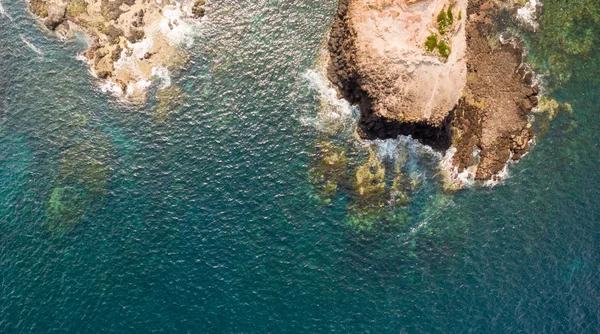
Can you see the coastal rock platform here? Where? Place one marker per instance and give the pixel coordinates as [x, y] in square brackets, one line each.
[131, 41]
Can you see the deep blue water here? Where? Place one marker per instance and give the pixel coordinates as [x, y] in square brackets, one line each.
[207, 221]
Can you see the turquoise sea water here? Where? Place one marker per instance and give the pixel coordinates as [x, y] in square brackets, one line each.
[113, 219]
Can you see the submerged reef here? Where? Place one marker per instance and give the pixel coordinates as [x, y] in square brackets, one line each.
[328, 169]
[131, 41]
[66, 207]
[169, 99]
[84, 173]
[369, 185]
[441, 71]
[378, 190]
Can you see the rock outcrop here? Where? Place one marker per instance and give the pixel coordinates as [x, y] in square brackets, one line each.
[492, 118]
[132, 41]
[434, 69]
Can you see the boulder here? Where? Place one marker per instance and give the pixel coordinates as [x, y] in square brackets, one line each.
[56, 16]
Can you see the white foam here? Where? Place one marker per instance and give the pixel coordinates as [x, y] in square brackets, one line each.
[392, 149]
[127, 62]
[180, 32]
[138, 50]
[388, 149]
[3, 12]
[112, 88]
[466, 178]
[139, 85]
[163, 74]
[334, 110]
[177, 27]
[31, 46]
[499, 178]
[528, 14]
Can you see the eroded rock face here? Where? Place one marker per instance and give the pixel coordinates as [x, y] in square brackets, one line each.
[132, 41]
[56, 15]
[387, 57]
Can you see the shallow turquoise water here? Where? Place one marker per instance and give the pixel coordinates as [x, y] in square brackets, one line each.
[207, 221]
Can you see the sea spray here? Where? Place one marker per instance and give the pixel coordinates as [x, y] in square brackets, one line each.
[335, 113]
[528, 14]
[163, 74]
[4, 12]
[177, 25]
[389, 148]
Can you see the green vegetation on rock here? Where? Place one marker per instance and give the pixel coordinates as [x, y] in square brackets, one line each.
[445, 19]
[76, 7]
[39, 8]
[444, 49]
[450, 16]
[552, 107]
[111, 10]
[431, 42]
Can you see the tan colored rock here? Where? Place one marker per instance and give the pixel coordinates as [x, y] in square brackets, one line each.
[56, 15]
[404, 81]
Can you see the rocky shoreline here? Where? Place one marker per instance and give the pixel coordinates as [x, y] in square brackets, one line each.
[485, 127]
[131, 41]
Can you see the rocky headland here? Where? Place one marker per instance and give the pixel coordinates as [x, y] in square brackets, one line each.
[440, 71]
[131, 41]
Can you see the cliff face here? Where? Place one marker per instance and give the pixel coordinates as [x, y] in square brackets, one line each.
[432, 69]
[380, 61]
[132, 41]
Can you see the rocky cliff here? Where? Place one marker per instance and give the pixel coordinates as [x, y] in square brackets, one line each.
[440, 71]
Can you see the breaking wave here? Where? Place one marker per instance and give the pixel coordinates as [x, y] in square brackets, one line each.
[334, 112]
[31, 46]
[3, 12]
[528, 14]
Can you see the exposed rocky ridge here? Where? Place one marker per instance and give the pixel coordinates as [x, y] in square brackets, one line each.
[490, 118]
[493, 116]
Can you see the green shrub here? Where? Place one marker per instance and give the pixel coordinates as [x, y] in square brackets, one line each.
[444, 49]
[445, 19]
[442, 21]
[431, 42]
